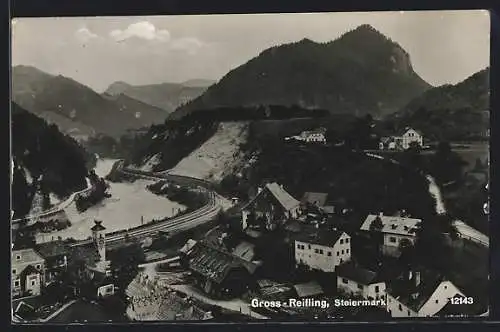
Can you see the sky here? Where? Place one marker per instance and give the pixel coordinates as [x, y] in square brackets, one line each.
[445, 47]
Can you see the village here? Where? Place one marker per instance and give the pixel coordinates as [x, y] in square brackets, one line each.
[273, 247]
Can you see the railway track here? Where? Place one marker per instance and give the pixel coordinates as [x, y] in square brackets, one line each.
[185, 221]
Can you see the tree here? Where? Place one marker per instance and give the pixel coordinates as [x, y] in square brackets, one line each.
[376, 224]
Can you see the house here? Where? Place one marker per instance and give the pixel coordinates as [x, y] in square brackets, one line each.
[311, 136]
[55, 254]
[356, 280]
[402, 140]
[218, 273]
[323, 250]
[419, 294]
[28, 271]
[271, 207]
[397, 231]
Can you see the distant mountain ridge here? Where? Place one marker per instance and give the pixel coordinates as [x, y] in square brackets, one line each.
[361, 72]
[450, 112]
[76, 108]
[167, 96]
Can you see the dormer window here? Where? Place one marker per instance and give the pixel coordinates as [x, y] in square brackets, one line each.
[18, 257]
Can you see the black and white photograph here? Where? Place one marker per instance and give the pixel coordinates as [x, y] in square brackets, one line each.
[250, 167]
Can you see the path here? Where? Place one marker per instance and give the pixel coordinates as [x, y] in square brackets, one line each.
[236, 305]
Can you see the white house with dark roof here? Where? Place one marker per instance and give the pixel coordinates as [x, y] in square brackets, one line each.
[323, 251]
[402, 140]
[420, 294]
[395, 230]
[27, 272]
[359, 281]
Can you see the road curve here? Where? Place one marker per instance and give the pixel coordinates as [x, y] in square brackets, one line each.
[463, 229]
[185, 221]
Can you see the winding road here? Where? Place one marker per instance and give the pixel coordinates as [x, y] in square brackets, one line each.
[463, 229]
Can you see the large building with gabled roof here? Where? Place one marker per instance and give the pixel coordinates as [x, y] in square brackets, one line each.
[219, 273]
[272, 206]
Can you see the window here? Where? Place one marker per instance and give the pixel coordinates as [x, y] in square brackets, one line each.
[18, 257]
[38, 266]
[347, 251]
[345, 281]
[299, 246]
[316, 251]
[16, 283]
[346, 240]
[321, 251]
[33, 283]
[445, 287]
[330, 253]
[338, 253]
[409, 313]
[342, 251]
[341, 241]
[377, 289]
[400, 307]
[14, 271]
[360, 286]
[309, 246]
[437, 301]
[392, 239]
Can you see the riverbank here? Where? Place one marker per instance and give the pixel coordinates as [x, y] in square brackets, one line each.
[130, 205]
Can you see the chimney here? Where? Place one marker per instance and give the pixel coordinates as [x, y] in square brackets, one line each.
[259, 190]
[381, 214]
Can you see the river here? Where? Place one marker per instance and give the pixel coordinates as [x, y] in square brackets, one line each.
[124, 209]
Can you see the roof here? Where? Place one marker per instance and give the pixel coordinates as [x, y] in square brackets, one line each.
[403, 289]
[457, 309]
[321, 237]
[30, 269]
[315, 198]
[188, 246]
[26, 256]
[98, 226]
[311, 288]
[52, 249]
[357, 273]
[393, 224]
[215, 263]
[330, 209]
[404, 130]
[244, 250]
[282, 196]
